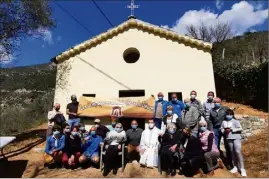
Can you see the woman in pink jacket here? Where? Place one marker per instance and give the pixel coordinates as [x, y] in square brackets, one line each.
[210, 149]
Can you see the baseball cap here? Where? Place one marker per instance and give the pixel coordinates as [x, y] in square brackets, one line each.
[97, 120]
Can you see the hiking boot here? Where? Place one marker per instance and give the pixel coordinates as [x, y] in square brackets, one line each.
[221, 164]
[106, 172]
[173, 172]
[211, 173]
[243, 173]
[234, 170]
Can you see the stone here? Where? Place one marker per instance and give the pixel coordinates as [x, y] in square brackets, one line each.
[256, 123]
[246, 124]
[254, 119]
[255, 127]
[245, 116]
[261, 127]
[239, 116]
[248, 134]
[255, 132]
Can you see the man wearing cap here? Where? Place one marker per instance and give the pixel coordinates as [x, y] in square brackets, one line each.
[71, 111]
[101, 130]
[159, 110]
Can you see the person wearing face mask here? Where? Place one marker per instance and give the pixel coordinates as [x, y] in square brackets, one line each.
[149, 145]
[133, 140]
[190, 117]
[195, 102]
[55, 117]
[90, 147]
[113, 123]
[208, 106]
[210, 149]
[113, 141]
[169, 144]
[178, 105]
[82, 131]
[54, 148]
[71, 111]
[170, 117]
[231, 129]
[159, 110]
[72, 149]
[217, 115]
[101, 130]
[193, 158]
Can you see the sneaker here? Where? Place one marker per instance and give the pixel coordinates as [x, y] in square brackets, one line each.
[234, 170]
[220, 163]
[243, 173]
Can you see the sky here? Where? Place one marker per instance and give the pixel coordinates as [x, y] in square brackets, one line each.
[174, 14]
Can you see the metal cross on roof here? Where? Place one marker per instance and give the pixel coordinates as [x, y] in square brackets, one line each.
[132, 6]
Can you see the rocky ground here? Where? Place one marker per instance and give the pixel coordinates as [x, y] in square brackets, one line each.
[25, 158]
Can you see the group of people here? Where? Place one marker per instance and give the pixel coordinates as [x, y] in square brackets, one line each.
[182, 136]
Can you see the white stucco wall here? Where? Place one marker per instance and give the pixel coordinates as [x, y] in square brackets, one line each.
[164, 66]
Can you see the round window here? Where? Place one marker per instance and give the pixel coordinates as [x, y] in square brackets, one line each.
[131, 55]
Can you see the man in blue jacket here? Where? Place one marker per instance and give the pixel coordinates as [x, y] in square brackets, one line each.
[160, 110]
[178, 105]
[54, 148]
[91, 147]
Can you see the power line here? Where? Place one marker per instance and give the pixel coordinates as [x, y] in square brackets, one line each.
[61, 7]
[102, 13]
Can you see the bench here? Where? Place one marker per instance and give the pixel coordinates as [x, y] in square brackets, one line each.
[4, 141]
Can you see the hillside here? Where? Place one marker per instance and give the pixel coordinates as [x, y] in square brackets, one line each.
[241, 76]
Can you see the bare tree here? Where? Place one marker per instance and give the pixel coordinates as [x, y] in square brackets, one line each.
[214, 33]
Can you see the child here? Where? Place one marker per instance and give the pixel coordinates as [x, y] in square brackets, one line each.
[231, 129]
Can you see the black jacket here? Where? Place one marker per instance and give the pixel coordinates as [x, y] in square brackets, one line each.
[169, 139]
[72, 146]
[193, 148]
[101, 131]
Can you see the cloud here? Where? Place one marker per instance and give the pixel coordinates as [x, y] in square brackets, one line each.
[258, 5]
[59, 38]
[219, 4]
[46, 35]
[242, 16]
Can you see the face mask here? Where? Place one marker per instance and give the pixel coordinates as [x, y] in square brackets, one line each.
[118, 130]
[174, 99]
[57, 109]
[160, 98]
[113, 123]
[186, 105]
[93, 132]
[96, 125]
[169, 112]
[217, 105]
[56, 133]
[67, 130]
[74, 133]
[210, 98]
[82, 128]
[134, 126]
[193, 96]
[229, 117]
[203, 129]
[171, 131]
[151, 125]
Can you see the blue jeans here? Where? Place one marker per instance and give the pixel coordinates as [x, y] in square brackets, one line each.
[158, 123]
[72, 122]
[218, 136]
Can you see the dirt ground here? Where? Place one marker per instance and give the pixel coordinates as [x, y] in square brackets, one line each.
[24, 161]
